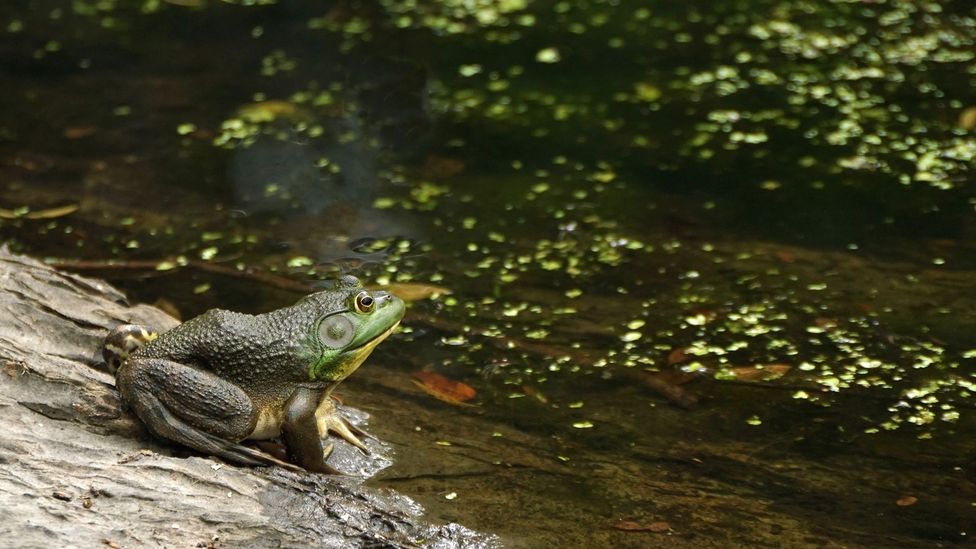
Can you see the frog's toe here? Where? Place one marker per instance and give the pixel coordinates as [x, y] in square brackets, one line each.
[334, 423]
[330, 420]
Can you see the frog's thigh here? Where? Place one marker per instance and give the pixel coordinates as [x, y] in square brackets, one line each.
[197, 398]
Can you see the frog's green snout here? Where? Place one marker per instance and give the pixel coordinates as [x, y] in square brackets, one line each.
[389, 305]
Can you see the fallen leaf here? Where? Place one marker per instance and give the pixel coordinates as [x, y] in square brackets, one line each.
[967, 118]
[633, 526]
[444, 389]
[535, 393]
[785, 257]
[905, 501]
[660, 384]
[442, 166]
[414, 291]
[762, 372]
[78, 132]
[677, 356]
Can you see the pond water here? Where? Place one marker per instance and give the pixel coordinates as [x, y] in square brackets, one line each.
[705, 270]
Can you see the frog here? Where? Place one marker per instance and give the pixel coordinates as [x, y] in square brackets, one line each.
[225, 377]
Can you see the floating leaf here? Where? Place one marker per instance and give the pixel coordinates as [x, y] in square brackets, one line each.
[267, 111]
[444, 389]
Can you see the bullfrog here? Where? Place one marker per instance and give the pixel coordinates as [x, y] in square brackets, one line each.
[224, 377]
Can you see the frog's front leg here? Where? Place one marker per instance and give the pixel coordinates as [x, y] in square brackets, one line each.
[302, 433]
[330, 420]
[192, 407]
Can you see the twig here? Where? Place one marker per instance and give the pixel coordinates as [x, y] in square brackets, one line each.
[274, 280]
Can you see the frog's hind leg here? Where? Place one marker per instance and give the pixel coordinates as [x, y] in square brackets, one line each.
[192, 407]
[168, 426]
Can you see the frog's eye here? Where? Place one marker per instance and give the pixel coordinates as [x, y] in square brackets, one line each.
[365, 302]
[336, 331]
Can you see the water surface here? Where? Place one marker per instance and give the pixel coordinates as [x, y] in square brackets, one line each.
[707, 266]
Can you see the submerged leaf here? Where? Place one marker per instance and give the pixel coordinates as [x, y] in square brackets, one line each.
[905, 501]
[677, 356]
[444, 389]
[766, 372]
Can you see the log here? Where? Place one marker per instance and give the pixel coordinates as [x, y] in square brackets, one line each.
[76, 469]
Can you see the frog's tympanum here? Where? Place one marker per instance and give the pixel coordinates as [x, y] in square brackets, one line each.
[224, 377]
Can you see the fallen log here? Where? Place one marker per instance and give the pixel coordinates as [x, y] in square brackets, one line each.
[78, 470]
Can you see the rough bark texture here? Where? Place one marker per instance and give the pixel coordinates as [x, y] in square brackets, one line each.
[77, 470]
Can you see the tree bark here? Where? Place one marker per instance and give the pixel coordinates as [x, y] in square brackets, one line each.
[78, 470]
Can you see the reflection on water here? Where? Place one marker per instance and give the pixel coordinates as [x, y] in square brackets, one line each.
[706, 266]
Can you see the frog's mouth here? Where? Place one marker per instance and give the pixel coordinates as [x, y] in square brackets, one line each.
[358, 356]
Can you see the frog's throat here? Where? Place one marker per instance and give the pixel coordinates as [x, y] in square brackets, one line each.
[352, 359]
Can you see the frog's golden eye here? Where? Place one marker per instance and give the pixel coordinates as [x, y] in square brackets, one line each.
[365, 302]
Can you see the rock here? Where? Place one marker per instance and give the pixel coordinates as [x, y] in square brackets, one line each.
[78, 470]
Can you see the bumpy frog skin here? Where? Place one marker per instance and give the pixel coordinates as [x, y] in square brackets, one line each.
[224, 377]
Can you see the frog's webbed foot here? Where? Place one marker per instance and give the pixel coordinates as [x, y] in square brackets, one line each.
[331, 421]
[122, 341]
[192, 407]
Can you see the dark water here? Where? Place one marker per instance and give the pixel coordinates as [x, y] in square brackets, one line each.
[710, 263]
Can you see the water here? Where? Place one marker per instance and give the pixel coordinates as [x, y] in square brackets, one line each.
[709, 265]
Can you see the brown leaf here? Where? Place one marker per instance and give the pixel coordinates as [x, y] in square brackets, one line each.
[634, 526]
[761, 372]
[666, 389]
[784, 256]
[444, 389]
[78, 132]
[906, 500]
[442, 166]
[414, 291]
[535, 393]
[677, 356]
[824, 322]
[967, 118]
